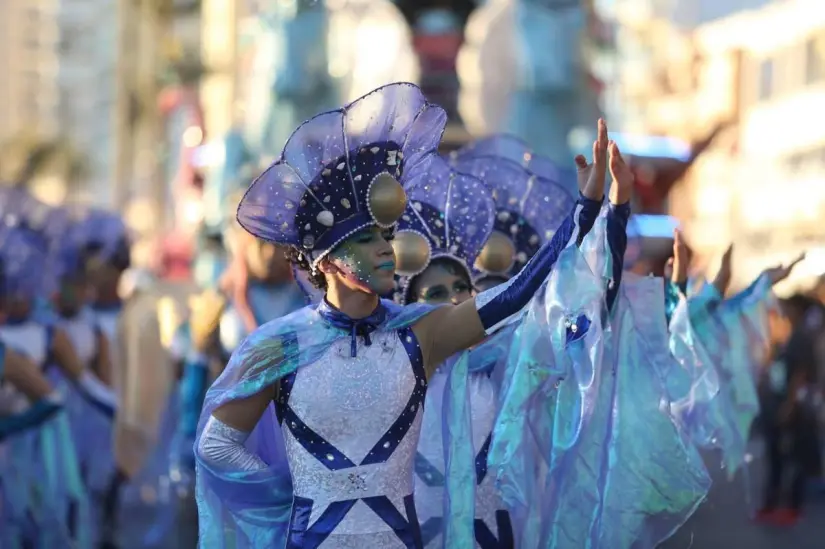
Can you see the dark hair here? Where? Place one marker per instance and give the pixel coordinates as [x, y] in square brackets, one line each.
[120, 258]
[448, 264]
[300, 261]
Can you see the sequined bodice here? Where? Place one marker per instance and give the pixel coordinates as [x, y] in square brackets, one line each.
[351, 427]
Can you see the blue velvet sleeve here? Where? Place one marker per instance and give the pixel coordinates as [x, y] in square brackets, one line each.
[617, 216]
[37, 414]
[496, 305]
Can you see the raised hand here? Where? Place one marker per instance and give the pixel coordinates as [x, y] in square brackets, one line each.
[621, 188]
[725, 273]
[781, 272]
[590, 177]
[680, 258]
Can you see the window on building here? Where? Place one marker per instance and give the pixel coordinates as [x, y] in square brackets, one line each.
[765, 82]
[815, 60]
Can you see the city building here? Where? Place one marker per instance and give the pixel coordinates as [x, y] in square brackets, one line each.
[761, 185]
[58, 63]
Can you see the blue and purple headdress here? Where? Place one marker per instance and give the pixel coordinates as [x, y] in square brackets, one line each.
[515, 149]
[344, 171]
[450, 214]
[529, 209]
[24, 262]
[30, 223]
[103, 236]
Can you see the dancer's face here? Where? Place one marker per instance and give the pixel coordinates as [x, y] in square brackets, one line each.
[365, 262]
[441, 282]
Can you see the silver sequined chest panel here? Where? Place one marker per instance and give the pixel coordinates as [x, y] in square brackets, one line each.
[352, 403]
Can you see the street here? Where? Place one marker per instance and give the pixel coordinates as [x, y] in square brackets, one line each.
[723, 521]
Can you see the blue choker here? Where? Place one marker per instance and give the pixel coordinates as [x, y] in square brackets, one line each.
[356, 327]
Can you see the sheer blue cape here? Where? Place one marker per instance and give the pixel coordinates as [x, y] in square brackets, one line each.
[252, 509]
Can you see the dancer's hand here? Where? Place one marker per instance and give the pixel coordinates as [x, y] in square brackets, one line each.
[725, 273]
[621, 188]
[206, 309]
[781, 272]
[680, 258]
[590, 177]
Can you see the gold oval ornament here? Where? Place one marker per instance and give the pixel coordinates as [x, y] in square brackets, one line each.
[386, 199]
[497, 255]
[412, 253]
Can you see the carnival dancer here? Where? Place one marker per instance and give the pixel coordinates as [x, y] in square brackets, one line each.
[446, 275]
[106, 252]
[48, 455]
[733, 336]
[336, 184]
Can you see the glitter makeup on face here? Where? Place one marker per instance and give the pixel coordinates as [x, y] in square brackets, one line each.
[362, 260]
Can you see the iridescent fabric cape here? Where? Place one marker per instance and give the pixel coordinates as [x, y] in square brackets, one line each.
[734, 332]
[585, 448]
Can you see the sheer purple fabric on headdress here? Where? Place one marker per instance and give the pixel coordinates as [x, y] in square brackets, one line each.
[542, 202]
[455, 211]
[102, 230]
[396, 113]
[515, 149]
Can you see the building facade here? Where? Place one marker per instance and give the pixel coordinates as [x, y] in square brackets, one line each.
[58, 62]
[762, 183]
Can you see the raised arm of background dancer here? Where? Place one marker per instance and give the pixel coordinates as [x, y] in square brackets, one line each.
[448, 330]
[723, 276]
[617, 216]
[25, 376]
[102, 365]
[88, 385]
[676, 275]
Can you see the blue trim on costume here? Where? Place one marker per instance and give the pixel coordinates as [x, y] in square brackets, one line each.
[430, 529]
[487, 540]
[481, 460]
[617, 216]
[388, 443]
[427, 472]
[303, 536]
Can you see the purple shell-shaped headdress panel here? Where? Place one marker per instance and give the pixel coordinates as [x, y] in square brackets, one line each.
[452, 210]
[529, 208]
[515, 149]
[316, 195]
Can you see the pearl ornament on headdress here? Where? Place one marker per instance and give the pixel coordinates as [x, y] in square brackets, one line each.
[412, 253]
[326, 218]
[386, 199]
[497, 255]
